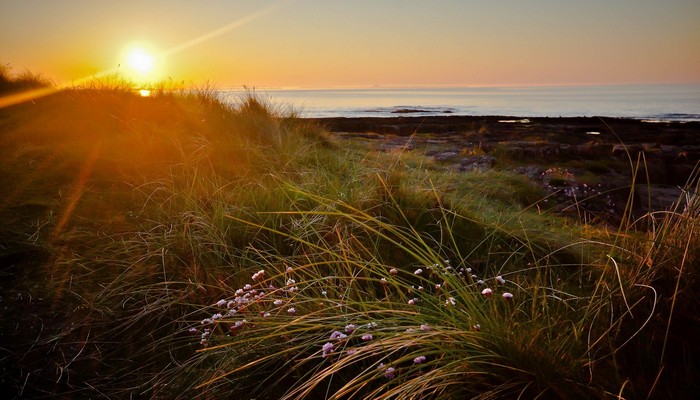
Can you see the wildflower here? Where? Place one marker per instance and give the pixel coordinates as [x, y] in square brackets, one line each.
[507, 295]
[290, 282]
[291, 310]
[278, 302]
[231, 312]
[337, 335]
[206, 321]
[367, 337]
[412, 302]
[350, 328]
[293, 289]
[438, 286]
[450, 301]
[469, 270]
[383, 281]
[419, 360]
[239, 292]
[266, 315]
[351, 352]
[410, 330]
[327, 349]
[193, 330]
[424, 327]
[221, 303]
[290, 270]
[247, 286]
[389, 373]
[480, 282]
[371, 325]
[393, 271]
[258, 275]
[477, 327]
[487, 292]
[418, 271]
[237, 325]
[420, 288]
[500, 279]
[230, 304]
[324, 293]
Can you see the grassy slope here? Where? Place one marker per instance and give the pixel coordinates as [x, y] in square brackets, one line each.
[126, 219]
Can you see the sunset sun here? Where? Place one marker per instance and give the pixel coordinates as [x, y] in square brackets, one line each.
[140, 61]
[139, 64]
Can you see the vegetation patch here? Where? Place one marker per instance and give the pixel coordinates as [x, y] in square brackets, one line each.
[177, 246]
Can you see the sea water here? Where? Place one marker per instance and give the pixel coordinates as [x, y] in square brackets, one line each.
[646, 102]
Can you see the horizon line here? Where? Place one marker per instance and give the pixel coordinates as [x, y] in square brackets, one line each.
[226, 86]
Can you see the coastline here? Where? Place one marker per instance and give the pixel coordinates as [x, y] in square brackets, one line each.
[562, 129]
[584, 164]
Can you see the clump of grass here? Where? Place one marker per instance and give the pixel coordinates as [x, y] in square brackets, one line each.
[13, 82]
[363, 326]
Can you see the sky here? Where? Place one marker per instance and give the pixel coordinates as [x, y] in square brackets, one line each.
[359, 43]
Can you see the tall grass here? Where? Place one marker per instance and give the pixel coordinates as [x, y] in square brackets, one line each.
[139, 228]
[13, 82]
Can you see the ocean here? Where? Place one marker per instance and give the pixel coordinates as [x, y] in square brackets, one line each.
[646, 102]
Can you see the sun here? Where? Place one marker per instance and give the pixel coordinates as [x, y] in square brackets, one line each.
[139, 64]
[140, 61]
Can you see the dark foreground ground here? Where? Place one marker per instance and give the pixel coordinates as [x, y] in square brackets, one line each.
[587, 164]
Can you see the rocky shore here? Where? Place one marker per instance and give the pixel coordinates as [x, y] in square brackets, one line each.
[585, 164]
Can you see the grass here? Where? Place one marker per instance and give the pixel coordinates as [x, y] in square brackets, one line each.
[135, 229]
[13, 82]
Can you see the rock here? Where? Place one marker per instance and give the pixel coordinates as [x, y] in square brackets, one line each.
[477, 163]
[445, 155]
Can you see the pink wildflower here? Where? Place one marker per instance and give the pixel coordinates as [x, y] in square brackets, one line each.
[327, 349]
[419, 360]
[389, 373]
[258, 275]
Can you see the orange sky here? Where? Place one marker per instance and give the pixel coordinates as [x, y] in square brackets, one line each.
[314, 43]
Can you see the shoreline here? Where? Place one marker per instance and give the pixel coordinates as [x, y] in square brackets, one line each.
[562, 129]
[584, 164]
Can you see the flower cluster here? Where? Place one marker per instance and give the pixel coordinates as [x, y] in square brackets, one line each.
[260, 298]
[284, 297]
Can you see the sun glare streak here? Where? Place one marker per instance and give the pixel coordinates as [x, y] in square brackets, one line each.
[143, 61]
[33, 94]
[220, 31]
[78, 189]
